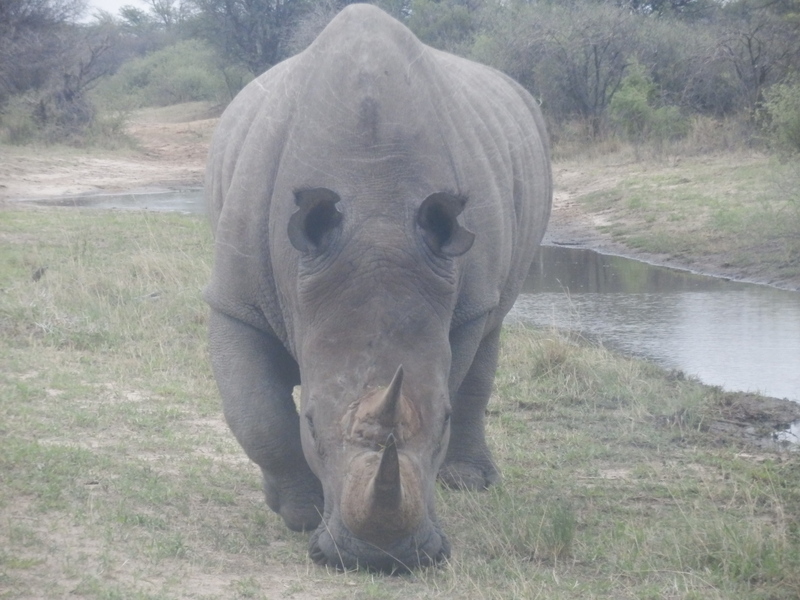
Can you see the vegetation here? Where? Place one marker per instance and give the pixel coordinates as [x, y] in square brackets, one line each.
[120, 479]
[782, 114]
[590, 62]
[744, 208]
[186, 71]
[632, 111]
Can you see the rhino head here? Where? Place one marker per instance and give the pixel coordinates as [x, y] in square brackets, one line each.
[376, 295]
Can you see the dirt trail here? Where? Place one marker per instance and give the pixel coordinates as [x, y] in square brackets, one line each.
[170, 152]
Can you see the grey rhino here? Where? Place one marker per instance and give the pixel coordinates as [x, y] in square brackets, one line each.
[376, 205]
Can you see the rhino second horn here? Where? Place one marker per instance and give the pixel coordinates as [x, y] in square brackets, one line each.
[387, 490]
[387, 407]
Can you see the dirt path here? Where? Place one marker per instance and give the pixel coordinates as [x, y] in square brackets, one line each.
[170, 152]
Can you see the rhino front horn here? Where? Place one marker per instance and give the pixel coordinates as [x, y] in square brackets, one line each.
[387, 490]
[393, 504]
[387, 407]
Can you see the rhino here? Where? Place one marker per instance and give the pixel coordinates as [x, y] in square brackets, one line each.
[376, 205]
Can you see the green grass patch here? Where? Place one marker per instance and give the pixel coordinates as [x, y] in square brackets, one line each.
[740, 212]
[120, 479]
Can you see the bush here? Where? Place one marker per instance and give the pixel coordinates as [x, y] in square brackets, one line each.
[46, 116]
[16, 121]
[781, 116]
[184, 72]
[633, 113]
[447, 25]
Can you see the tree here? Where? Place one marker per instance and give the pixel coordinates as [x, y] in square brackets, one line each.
[254, 33]
[166, 12]
[761, 41]
[48, 63]
[30, 41]
[572, 56]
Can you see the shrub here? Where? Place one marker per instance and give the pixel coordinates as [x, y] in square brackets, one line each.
[447, 25]
[184, 72]
[16, 121]
[632, 109]
[46, 116]
[781, 116]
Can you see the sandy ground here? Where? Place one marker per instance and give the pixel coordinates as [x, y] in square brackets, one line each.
[170, 153]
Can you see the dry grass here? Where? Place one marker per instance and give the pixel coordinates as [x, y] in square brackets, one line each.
[733, 214]
[120, 479]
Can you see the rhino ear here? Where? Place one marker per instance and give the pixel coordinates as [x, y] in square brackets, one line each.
[441, 231]
[312, 226]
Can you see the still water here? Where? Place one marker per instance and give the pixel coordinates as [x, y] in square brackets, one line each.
[188, 201]
[735, 335]
[739, 336]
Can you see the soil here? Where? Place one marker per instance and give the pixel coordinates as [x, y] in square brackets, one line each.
[169, 152]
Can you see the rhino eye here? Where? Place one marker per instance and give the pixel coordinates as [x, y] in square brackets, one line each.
[441, 231]
[312, 226]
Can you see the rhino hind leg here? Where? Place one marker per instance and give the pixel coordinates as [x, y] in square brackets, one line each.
[468, 463]
[256, 375]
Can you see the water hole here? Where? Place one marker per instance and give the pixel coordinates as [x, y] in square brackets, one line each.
[739, 336]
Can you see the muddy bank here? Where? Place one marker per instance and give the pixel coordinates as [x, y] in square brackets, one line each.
[571, 224]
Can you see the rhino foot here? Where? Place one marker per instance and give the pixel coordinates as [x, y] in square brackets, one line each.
[469, 475]
[300, 503]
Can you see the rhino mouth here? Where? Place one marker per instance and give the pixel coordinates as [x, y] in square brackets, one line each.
[347, 552]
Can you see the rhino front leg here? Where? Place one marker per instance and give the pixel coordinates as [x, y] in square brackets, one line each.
[468, 462]
[256, 375]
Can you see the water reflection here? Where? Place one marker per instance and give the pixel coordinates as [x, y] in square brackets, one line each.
[189, 201]
[735, 335]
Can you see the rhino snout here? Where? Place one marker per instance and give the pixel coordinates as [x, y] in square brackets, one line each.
[382, 518]
[334, 545]
[382, 497]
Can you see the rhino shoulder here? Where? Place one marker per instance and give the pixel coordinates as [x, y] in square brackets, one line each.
[248, 111]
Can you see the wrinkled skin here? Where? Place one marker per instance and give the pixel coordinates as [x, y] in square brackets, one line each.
[376, 205]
